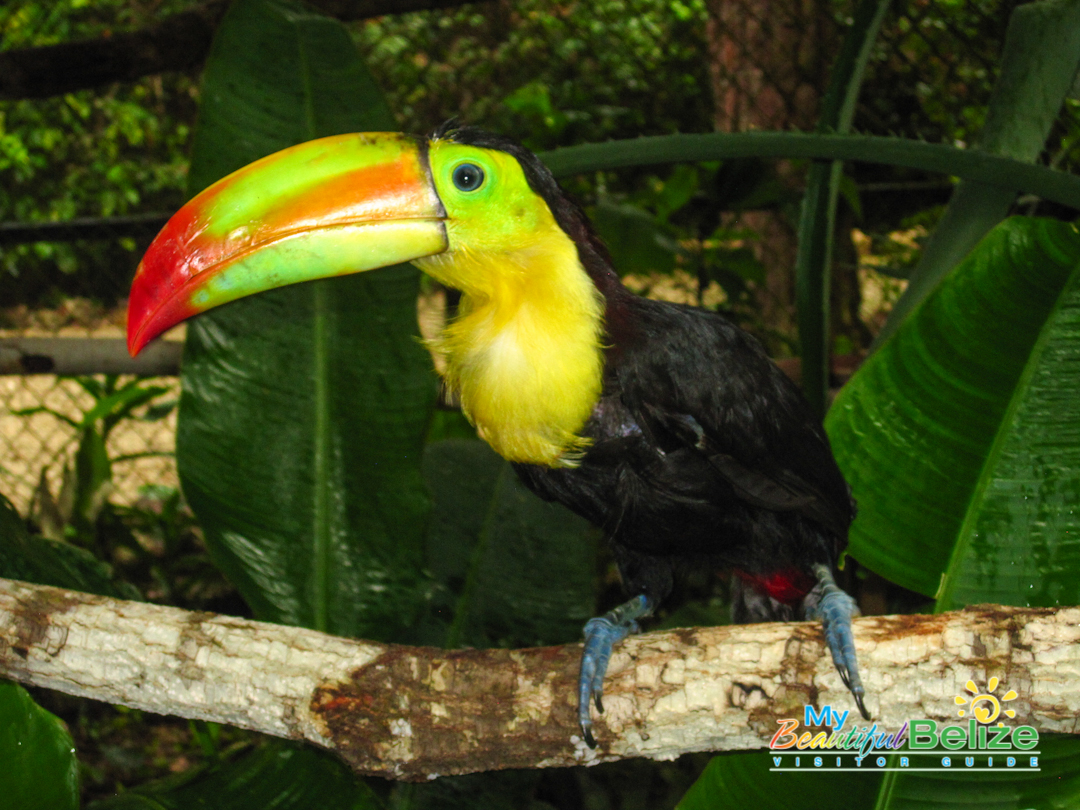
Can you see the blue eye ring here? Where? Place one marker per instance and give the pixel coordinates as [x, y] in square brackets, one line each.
[468, 177]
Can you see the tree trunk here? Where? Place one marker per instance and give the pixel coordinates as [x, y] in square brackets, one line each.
[769, 67]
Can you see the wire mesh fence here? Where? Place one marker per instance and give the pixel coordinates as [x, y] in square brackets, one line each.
[37, 443]
[38, 447]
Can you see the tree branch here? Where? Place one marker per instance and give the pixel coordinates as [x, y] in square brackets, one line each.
[179, 42]
[416, 712]
[71, 356]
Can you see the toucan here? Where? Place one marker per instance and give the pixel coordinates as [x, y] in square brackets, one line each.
[665, 425]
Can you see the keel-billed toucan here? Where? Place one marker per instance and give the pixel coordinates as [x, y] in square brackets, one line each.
[665, 425]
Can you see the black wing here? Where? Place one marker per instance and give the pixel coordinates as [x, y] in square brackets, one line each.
[701, 447]
[692, 379]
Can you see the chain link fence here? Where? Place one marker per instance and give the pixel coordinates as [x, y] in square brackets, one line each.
[37, 448]
[761, 64]
[39, 412]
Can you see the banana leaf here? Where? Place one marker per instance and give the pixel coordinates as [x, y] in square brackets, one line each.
[961, 440]
[304, 409]
[961, 436]
[744, 780]
[302, 424]
[40, 770]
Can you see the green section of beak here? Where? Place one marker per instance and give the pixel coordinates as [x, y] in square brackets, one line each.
[320, 253]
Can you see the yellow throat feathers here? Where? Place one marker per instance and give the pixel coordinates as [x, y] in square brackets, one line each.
[524, 354]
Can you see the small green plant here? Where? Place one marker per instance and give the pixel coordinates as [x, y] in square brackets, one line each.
[86, 484]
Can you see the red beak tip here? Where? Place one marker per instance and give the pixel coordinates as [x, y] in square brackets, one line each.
[135, 343]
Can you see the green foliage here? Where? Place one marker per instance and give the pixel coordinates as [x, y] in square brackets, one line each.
[52, 562]
[669, 223]
[553, 75]
[327, 408]
[817, 223]
[276, 776]
[964, 457]
[157, 546]
[533, 103]
[743, 780]
[1039, 65]
[73, 513]
[86, 154]
[638, 240]
[302, 446]
[512, 570]
[150, 550]
[964, 464]
[546, 74]
[1055, 186]
[40, 771]
[26, 24]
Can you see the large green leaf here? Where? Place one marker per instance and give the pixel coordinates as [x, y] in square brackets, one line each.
[1056, 785]
[275, 776]
[518, 571]
[1038, 66]
[39, 770]
[304, 409]
[744, 780]
[961, 436]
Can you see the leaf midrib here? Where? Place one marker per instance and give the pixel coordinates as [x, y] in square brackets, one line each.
[321, 528]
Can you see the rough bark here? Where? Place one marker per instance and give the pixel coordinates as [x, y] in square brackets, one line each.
[415, 713]
[179, 42]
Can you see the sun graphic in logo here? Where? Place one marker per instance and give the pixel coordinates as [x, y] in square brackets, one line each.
[984, 705]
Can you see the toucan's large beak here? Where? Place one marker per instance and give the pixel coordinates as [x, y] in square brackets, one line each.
[324, 208]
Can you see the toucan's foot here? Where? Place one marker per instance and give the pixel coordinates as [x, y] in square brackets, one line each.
[836, 609]
[601, 634]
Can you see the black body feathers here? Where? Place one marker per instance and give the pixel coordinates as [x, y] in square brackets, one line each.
[703, 451]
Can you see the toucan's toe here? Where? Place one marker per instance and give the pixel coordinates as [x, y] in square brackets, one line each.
[601, 635]
[837, 609]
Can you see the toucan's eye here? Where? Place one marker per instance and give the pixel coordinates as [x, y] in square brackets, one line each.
[468, 177]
